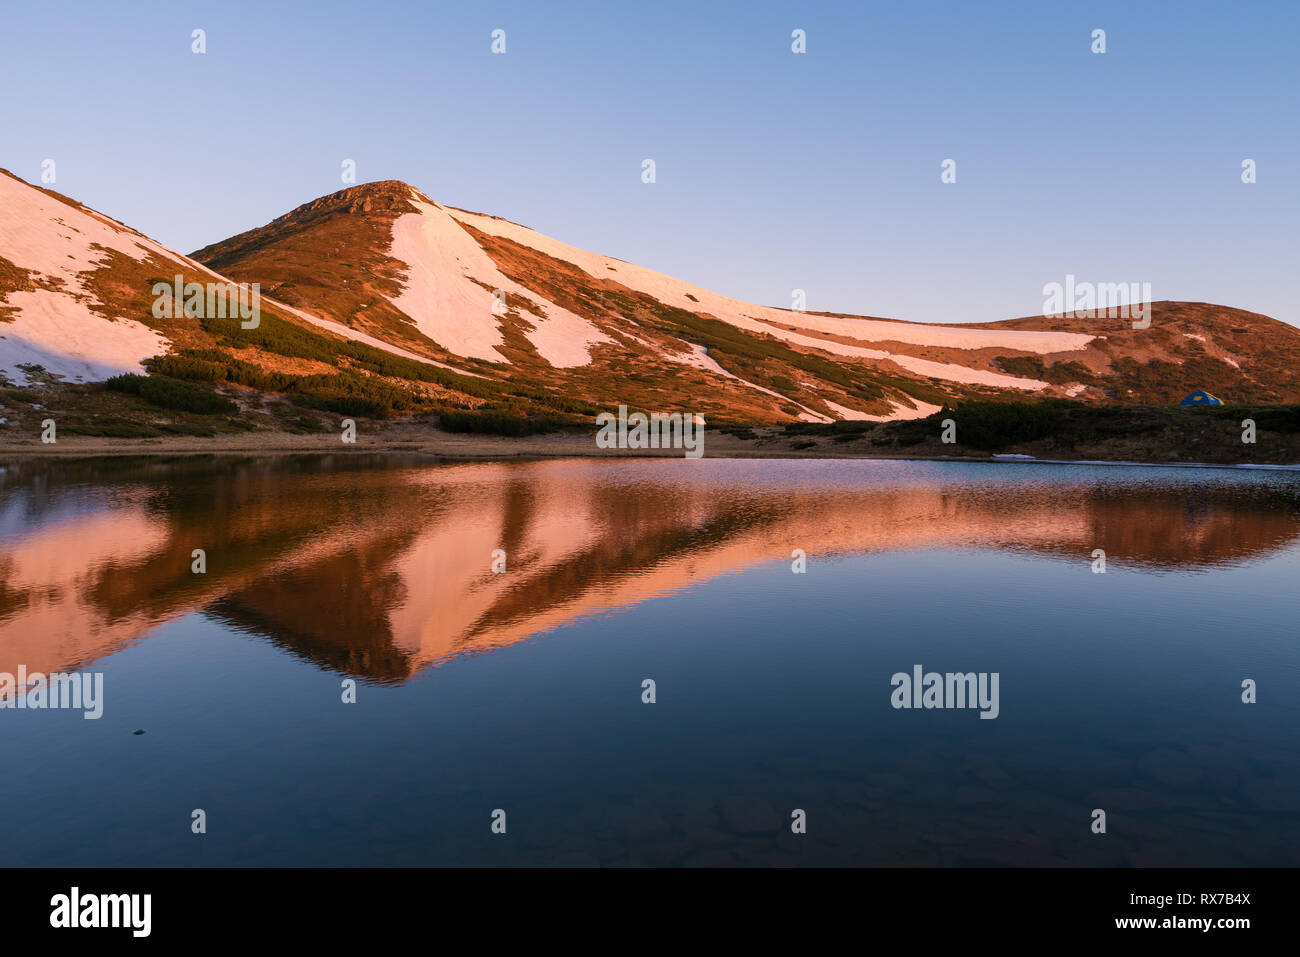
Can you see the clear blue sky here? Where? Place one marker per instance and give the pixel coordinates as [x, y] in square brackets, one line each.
[775, 170]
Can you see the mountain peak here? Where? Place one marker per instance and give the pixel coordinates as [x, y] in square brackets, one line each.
[381, 201]
[381, 196]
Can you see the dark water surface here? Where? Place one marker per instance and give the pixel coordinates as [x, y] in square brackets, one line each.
[522, 690]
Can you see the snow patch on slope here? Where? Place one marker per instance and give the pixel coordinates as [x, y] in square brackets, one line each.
[56, 329]
[699, 358]
[355, 335]
[897, 412]
[951, 337]
[60, 334]
[453, 310]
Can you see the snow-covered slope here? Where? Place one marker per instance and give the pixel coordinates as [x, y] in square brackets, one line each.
[48, 248]
[450, 293]
[66, 305]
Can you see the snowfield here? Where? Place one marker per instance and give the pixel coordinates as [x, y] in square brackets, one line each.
[60, 334]
[356, 335]
[441, 295]
[56, 329]
[897, 412]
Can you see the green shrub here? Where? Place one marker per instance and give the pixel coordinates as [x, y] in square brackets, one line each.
[349, 394]
[739, 431]
[1283, 418]
[995, 425]
[247, 374]
[498, 423]
[274, 335]
[850, 427]
[111, 429]
[184, 428]
[127, 382]
[171, 394]
[307, 423]
[186, 367]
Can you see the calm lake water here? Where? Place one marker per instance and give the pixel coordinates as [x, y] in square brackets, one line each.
[521, 690]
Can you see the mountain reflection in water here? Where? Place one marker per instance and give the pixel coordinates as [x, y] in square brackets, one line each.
[380, 568]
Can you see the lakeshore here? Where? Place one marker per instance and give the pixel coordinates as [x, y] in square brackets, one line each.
[1136, 436]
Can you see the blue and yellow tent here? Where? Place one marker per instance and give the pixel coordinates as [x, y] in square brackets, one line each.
[1201, 398]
